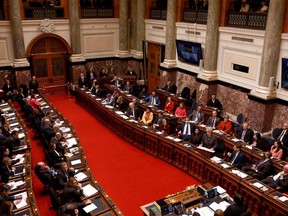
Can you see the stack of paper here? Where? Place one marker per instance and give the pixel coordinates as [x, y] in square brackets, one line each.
[80, 176]
[224, 165]
[239, 173]
[19, 203]
[216, 159]
[220, 190]
[124, 116]
[21, 135]
[119, 113]
[222, 205]
[283, 198]
[65, 129]
[235, 140]
[71, 142]
[159, 132]
[205, 211]
[4, 104]
[205, 149]
[89, 190]
[14, 124]
[169, 137]
[75, 162]
[109, 107]
[89, 208]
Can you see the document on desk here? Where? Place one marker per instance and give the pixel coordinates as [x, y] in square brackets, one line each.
[283, 198]
[177, 140]
[19, 203]
[65, 129]
[224, 165]
[170, 137]
[11, 114]
[258, 184]
[21, 135]
[71, 142]
[235, 140]
[124, 116]
[11, 119]
[18, 156]
[89, 208]
[239, 173]
[205, 149]
[216, 159]
[89, 190]
[4, 104]
[220, 190]
[75, 162]
[119, 113]
[222, 205]
[68, 135]
[15, 129]
[159, 132]
[80, 176]
[133, 121]
[205, 211]
[6, 109]
[109, 107]
[44, 107]
[16, 184]
[21, 161]
[249, 147]
[14, 124]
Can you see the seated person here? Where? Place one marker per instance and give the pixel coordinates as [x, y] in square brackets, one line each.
[262, 169]
[197, 116]
[196, 137]
[282, 135]
[82, 81]
[109, 100]
[170, 88]
[58, 139]
[5, 152]
[33, 85]
[209, 140]
[237, 157]
[245, 133]
[147, 117]
[276, 150]
[6, 169]
[157, 122]
[278, 180]
[70, 209]
[130, 71]
[263, 8]
[55, 156]
[129, 88]
[72, 192]
[165, 127]
[8, 90]
[245, 7]
[117, 81]
[104, 73]
[214, 102]
[47, 129]
[169, 106]
[153, 100]
[121, 104]
[13, 142]
[6, 208]
[186, 130]
[5, 194]
[143, 94]
[180, 111]
[237, 208]
[98, 91]
[62, 176]
[213, 120]
[258, 142]
[133, 112]
[20, 97]
[225, 126]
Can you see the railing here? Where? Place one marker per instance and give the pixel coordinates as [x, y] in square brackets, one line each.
[195, 16]
[41, 13]
[247, 20]
[160, 14]
[97, 12]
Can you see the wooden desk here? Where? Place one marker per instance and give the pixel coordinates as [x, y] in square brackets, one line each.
[163, 95]
[180, 154]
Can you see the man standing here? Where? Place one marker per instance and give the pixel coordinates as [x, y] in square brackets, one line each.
[33, 85]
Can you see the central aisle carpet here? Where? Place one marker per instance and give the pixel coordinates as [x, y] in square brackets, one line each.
[129, 176]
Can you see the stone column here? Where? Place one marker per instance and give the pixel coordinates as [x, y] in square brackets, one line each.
[140, 28]
[133, 26]
[77, 55]
[170, 46]
[271, 49]
[123, 29]
[17, 34]
[209, 72]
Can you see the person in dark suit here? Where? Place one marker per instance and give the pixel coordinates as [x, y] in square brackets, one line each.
[47, 129]
[72, 192]
[278, 180]
[6, 169]
[98, 91]
[4, 194]
[245, 133]
[157, 122]
[237, 208]
[133, 111]
[44, 173]
[196, 137]
[58, 139]
[209, 140]
[82, 81]
[197, 116]
[213, 120]
[143, 94]
[62, 176]
[90, 77]
[170, 88]
[130, 71]
[237, 157]
[153, 99]
[129, 88]
[118, 82]
[187, 129]
[282, 135]
[34, 85]
[20, 97]
[120, 104]
[214, 102]
[13, 142]
[8, 90]
[165, 127]
[104, 73]
[55, 156]
[262, 168]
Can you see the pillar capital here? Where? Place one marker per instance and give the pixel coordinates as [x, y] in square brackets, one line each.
[77, 58]
[169, 63]
[208, 75]
[265, 93]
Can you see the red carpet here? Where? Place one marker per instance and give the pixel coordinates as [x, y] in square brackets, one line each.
[129, 176]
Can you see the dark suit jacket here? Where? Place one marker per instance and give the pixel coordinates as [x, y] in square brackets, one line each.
[48, 132]
[192, 126]
[62, 178]
[88, 76]
[211, 142]
[130, 73]
[136, 112]
[196, 140]
[239, 160]
[193, 116]
[217, 104]
[33, 86]
[82, 83]
[6, 173]
[285, 138]
[158, 120]
[6, 198]
[71, 194]
[210, 121]
[54, 157]
[248, 135]
[265, 169]
[234, 210]
[170, 89]
[7, 89]
[129, 89]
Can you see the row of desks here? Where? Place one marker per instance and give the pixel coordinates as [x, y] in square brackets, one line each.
[21, 182]
[260, 198]
[76, 159]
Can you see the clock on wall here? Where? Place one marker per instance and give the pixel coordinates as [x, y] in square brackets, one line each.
[47, 25]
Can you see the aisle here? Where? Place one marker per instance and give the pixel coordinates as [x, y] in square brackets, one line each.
[130, 176]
